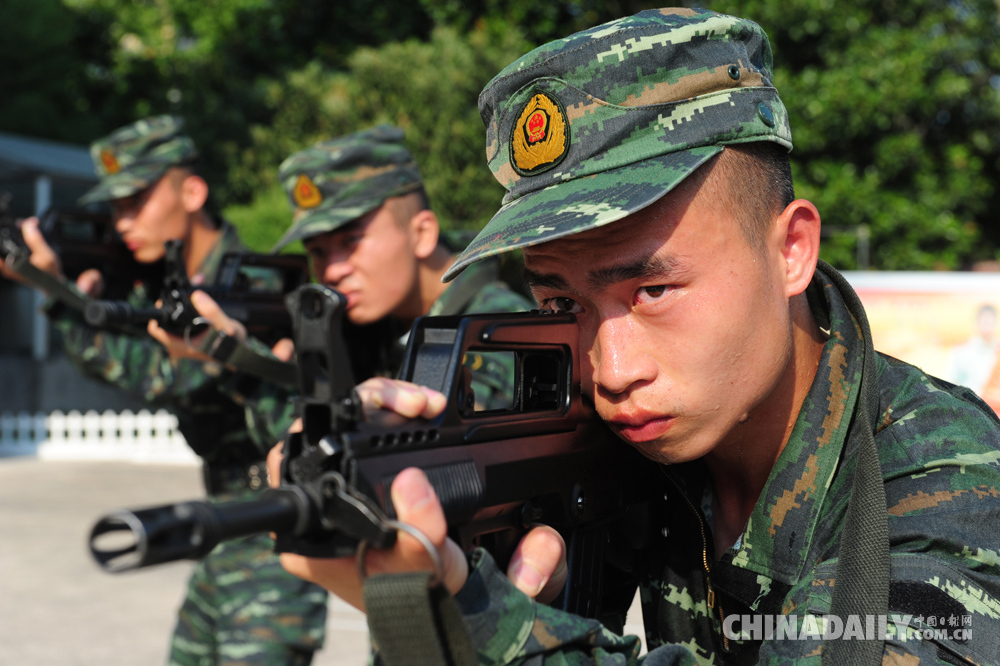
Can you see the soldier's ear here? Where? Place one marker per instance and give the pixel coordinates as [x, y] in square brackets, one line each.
[797, 232]
[425, 229]
[194, 193]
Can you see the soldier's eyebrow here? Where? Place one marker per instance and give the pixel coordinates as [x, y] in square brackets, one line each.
[646, 268]
[536, 280]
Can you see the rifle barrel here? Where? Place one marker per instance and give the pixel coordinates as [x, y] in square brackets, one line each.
[126, 540]
[117, 313]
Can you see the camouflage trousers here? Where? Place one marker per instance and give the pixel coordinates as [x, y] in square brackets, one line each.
[242, 607]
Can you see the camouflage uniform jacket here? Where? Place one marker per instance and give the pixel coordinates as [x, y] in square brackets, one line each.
[477, 290]
[938, 447]
[215, 428]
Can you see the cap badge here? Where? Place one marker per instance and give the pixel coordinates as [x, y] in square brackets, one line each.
[306, 194]
[110, 162]
[541, 136]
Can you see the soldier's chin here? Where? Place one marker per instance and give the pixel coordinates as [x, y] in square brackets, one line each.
[148, 255]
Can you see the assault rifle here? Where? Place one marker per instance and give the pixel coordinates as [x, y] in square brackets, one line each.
[250, 288]
[545, 459]
[82, 240]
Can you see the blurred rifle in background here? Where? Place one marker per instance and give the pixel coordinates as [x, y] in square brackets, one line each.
[250, 288]
[82, 240]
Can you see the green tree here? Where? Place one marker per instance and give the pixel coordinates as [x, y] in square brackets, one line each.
[43, 80]
[429, 89]
[212, 62]
[894, 108]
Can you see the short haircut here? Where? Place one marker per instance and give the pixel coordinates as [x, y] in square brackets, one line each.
[759, 176]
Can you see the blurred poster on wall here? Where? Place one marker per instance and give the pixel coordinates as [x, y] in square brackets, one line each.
[945, 323]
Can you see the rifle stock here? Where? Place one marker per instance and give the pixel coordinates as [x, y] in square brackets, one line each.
[545, 459]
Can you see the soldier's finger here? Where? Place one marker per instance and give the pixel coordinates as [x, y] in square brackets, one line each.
[401, 397]
[283, 349]
[538, 567]
[157, 333]
[90, 282]
[417, 505]
[219, 320]
[274, 458]
[42, 256]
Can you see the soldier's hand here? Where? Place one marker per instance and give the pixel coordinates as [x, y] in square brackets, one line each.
[537, 568]
[91, 282]
[283, 349]
[41, 255]
[205, 305]
[417, 505]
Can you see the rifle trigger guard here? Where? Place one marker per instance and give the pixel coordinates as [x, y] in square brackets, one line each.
[350, 512]
[416, 534]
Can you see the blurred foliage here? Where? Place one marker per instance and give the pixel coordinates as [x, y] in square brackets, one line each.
[895, 115]
[429, 89]
[894, 106]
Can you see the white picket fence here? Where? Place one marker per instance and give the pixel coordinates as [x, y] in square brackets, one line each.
[142, 437]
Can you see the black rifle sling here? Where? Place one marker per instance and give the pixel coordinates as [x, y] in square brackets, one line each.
[862, 577]
[57, 287]
[230, 351]
[413, 624]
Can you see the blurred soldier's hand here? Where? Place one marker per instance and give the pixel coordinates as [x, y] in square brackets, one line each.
[205, 305]
[283, 349]
[91, 282]
[42, 256]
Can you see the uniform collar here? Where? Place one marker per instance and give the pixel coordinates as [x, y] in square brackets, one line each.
[778, 538]
[228, 242]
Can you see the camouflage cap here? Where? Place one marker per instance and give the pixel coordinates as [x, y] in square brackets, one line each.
[339, 180]
[588, 129]
[133, 157]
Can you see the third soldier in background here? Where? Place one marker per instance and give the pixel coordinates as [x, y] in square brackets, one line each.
[362, 213]
[241, 606]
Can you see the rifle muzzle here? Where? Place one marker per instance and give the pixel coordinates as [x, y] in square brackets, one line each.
[127, 540]
[102, 314]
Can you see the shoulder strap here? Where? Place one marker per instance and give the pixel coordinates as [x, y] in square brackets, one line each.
[862, 579]
[414, 624]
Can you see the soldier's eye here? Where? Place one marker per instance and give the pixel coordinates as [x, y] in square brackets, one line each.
[650, 294]
[560, 304]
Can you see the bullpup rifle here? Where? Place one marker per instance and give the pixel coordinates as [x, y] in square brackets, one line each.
[249, 288]
[545, 459]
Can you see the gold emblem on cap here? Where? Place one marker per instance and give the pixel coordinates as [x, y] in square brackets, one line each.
[110, 162]
[539, 139]
[305, 193]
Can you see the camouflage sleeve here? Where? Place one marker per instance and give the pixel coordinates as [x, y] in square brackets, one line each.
[136, 364]
[270, 407]
[508, 627]
[493, 374]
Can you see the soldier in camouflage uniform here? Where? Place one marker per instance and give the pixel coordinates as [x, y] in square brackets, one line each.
[648, 184]
[362, 213]
[241, 606]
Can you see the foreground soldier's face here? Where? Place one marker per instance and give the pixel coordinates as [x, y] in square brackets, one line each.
[687, 328]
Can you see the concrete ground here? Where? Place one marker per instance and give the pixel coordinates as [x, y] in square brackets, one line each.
[57, 608]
